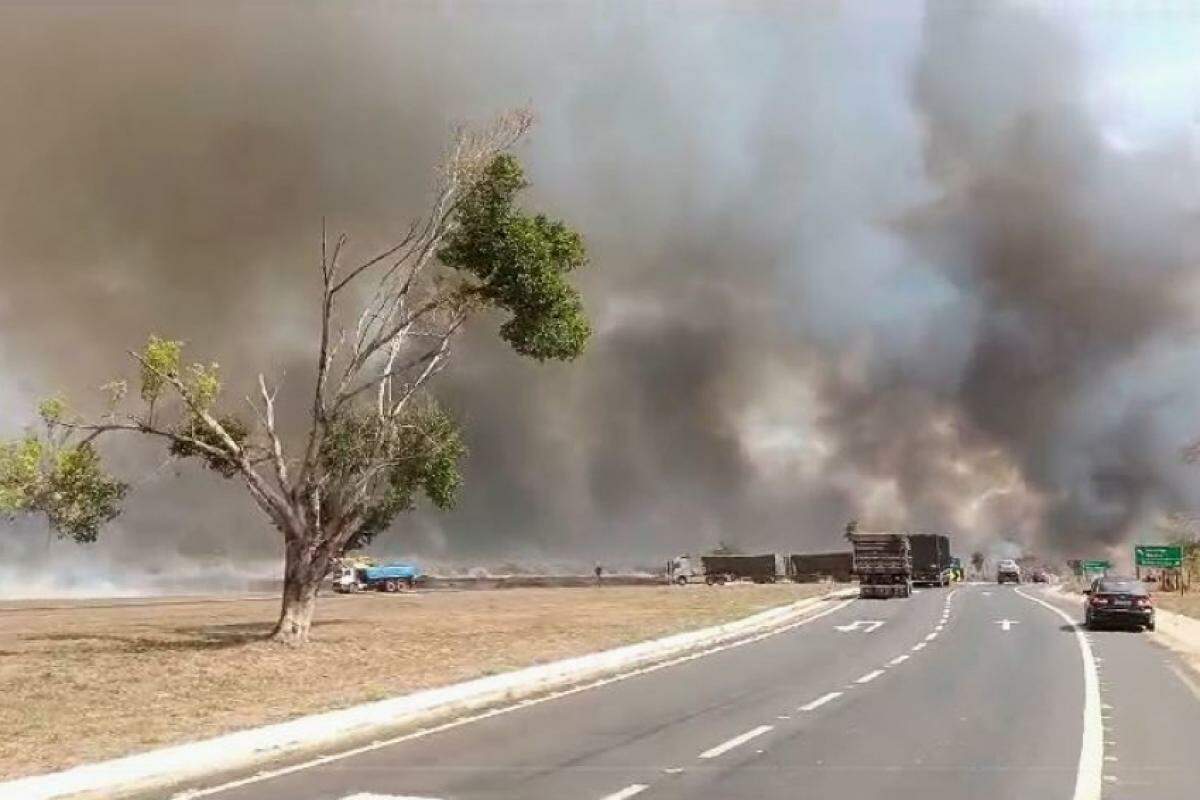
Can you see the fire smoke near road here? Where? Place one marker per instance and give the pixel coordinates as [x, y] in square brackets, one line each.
[925, 266]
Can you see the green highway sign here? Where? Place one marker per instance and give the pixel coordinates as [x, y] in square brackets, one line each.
[1096, 566]
[1158, 555]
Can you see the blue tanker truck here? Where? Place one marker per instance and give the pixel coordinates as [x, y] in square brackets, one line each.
[384, 578]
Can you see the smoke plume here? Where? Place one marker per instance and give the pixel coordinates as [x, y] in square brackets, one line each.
[901, 264]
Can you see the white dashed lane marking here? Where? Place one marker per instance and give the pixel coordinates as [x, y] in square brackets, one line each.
[820, 701]
[870, 676]
[627, 792]
[725, 747]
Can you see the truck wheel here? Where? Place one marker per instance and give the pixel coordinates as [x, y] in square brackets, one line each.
[409, 583]
[390, 586]
[681, 580]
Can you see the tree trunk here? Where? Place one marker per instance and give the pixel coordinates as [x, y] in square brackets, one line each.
[302, 578]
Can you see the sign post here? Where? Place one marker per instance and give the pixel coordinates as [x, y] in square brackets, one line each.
[1166, 556]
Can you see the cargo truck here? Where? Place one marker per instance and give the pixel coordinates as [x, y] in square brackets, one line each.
[386, 578]
[931, 561]
[882, 564]
[717, 569]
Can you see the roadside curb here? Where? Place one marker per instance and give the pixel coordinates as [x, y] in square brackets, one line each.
[244, 749]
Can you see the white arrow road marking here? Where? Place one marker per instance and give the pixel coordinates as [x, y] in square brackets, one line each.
[820, 701]
[725, 747]
[1006, 623]
[869, 625]
[628, 791]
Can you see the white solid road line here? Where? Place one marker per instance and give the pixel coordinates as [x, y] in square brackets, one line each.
[208, 791]
[1091, 749]
[628, 791]
[898, 660]
[725, 747]
[820, 701]
[870, 676]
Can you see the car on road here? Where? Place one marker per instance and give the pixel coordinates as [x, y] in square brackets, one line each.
[1118, 601]
[1008, 570]
[1040, 576]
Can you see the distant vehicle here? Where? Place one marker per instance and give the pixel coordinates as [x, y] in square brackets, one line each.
[956, 567]
[883, 564]
[1008, 570]
[1039, 576]
[1118, 600]
[931, 563]
[386, 578]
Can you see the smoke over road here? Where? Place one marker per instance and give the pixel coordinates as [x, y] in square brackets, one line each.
[907, 266]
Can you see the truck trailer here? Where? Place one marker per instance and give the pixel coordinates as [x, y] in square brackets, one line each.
[766, 568]
[813, 567]
[931, 562]
[883, 564]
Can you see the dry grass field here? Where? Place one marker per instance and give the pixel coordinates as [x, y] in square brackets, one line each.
[1179, 603]
[80, 682]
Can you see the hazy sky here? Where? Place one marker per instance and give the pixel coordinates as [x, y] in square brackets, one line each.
[930, 265]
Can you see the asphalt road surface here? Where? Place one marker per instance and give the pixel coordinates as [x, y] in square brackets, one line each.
[981, 691]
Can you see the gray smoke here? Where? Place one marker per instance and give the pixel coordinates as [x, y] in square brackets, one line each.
[846, 263]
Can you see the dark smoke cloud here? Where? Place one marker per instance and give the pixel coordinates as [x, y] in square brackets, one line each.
[846, 262]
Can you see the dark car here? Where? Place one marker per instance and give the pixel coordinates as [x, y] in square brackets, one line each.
[1119, 601]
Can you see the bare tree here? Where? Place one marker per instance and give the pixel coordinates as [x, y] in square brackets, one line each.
[375, 440]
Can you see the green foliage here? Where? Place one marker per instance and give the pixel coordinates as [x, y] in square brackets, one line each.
[195, 428]
[160, 360]
[20, 473]
[204, 384]
[418, 453]
[67, 484]
[521, 262]
[52, 410]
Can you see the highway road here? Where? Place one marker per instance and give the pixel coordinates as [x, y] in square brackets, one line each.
[981, 691]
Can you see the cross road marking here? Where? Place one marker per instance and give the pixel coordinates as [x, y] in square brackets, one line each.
[869, 625]
[1006, 624]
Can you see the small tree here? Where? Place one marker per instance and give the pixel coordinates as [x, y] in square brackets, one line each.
[374, 440]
